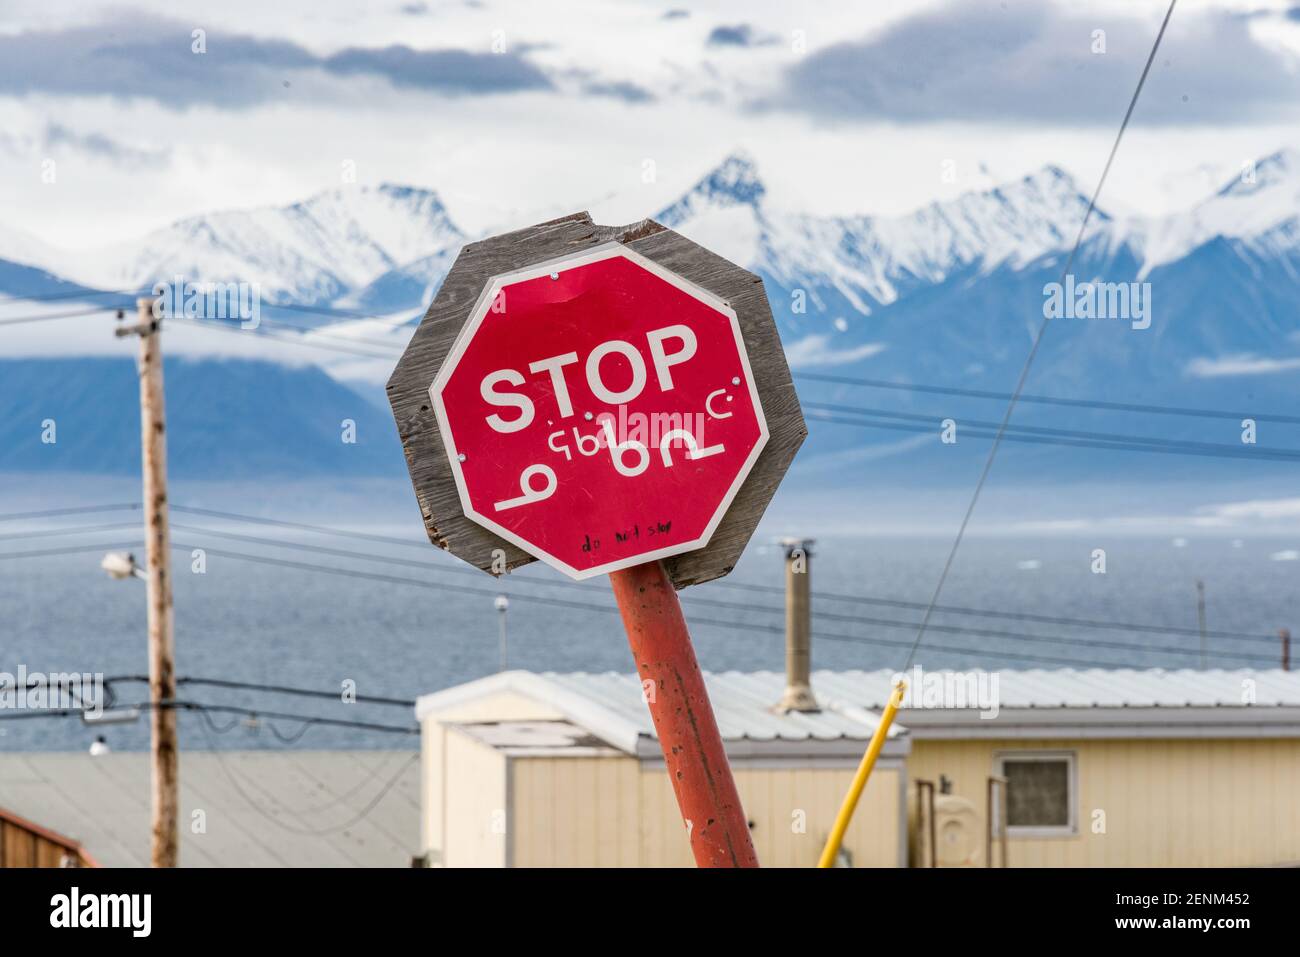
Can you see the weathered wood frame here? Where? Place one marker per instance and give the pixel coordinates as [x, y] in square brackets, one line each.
[408, 387]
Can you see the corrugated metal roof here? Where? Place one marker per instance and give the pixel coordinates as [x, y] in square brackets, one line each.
[742, 703]
[851, 700]
[1103, 688]
[611, 707]
[262, 808]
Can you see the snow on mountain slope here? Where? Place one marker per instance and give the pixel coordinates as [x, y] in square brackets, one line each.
[384, 250]
[24, 249]
[1261, 207]
[951, 293]
[313, 251]
[409, 287]
[870, 260]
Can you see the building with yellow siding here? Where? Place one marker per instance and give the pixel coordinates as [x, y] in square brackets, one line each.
[1061, 768]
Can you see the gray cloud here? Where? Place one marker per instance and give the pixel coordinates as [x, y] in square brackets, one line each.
[448, 71]
[146, 57]
[1027, 61]
[104, 147]
[619, 90]
[739, 35]
[59, 140]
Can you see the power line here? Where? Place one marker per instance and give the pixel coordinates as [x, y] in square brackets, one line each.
[282, 523]
[310, 832]
[148, 292]
[991, 633]
[78, 510]
[716, 603]
[1144, 627]
[1109, 437]
[75, 530]
[585, 606]
[863, 423]
[300, 335]
[197, 706]
[307, 720]
[721, 623]
[1048, 400]
[295, 339]
[693, 600]
[270, 689]
[72, 550]
[48, 317]
[1033, 352]
[1014, 615]
[316, 331]
[728, 583]
[205, 712]
[85, 293]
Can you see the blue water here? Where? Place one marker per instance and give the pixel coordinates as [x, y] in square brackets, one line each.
[243, 621]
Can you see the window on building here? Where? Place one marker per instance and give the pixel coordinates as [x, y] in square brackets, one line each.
[1042, 792]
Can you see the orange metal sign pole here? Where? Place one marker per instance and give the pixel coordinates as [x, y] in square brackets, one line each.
[683, 718]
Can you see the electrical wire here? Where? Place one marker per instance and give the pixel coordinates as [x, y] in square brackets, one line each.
[1047, 400]
[297, 339]
[692, 599]
[74, 530]
[1261, 454]
[1112, 437]
[309, 832]
[47, 317]
[1013, 615]
[728, 583]
[730, 623]
[78, 510]
[737, 606]
[1038, 341]
[269, 688]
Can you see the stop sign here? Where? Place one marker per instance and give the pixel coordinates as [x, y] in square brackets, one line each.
[599, 411]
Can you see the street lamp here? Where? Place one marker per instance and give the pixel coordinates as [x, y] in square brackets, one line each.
[121, 565]
[502, 605]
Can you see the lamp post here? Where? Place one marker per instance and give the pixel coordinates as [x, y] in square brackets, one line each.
[121, 565]
[502, 605]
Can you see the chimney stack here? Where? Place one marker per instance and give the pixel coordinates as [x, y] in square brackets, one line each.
[798, 627]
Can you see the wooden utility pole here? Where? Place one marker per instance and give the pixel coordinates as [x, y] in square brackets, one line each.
[1285, 635]
[164, 750]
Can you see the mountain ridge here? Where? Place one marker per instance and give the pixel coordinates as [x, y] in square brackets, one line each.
[951, 294]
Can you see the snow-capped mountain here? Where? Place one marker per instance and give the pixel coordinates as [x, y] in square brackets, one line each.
[870, 260]
[309, 252]
[1260, 208]
[950, 294]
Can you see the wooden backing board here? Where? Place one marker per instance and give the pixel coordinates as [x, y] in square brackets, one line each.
[408, 387]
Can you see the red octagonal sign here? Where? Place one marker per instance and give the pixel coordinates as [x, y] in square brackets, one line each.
[599, 411]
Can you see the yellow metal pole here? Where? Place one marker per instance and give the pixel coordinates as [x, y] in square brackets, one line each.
[850, 804]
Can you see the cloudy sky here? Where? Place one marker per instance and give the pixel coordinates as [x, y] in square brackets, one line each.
[143, 112]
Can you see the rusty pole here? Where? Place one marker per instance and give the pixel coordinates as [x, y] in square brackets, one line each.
[683, 717]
